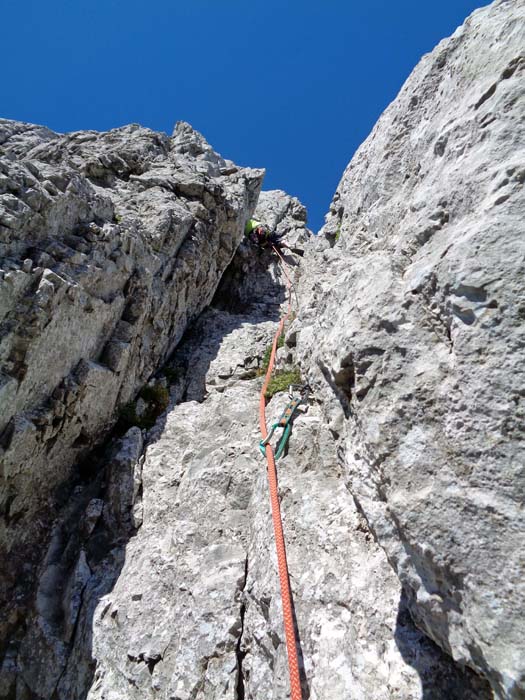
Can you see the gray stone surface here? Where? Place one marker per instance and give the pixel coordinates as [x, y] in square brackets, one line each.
[146, 568]
[110, 245]
[411, 331]
[251, 281]
[178, 584]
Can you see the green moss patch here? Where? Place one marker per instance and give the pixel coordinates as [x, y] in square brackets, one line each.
[282, 380]
[157, 395]
[267, 354]
[128, 418]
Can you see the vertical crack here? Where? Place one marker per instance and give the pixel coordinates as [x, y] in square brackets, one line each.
[71, 645]
[239, 652]
[239, 688]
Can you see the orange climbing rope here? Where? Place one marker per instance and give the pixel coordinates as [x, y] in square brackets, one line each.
[286, 593]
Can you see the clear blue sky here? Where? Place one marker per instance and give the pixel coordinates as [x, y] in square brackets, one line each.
[290, 85]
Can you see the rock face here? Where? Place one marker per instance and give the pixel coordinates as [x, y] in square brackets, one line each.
[141, 563]
[111, 243]
[412, 333]
[196, 612]
[172, 586]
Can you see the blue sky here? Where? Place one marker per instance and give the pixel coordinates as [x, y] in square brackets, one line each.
[293, 86]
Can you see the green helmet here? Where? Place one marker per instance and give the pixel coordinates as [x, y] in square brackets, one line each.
[251, 224]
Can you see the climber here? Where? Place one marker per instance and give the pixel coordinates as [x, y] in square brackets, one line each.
[261, 235]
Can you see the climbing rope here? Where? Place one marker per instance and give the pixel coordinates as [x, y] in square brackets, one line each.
[284, 579]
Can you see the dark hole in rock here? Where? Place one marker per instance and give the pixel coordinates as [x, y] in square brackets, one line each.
[82, 440]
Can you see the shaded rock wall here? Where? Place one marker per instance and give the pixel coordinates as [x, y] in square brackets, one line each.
[411, 330]
[250, 280]
[111, 243]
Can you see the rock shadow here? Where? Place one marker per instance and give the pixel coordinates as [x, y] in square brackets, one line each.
[252, 283]
[251, 292]
[49, 655]
[441, 677]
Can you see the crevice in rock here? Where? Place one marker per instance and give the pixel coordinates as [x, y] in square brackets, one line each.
[516, 63]
[239, 652]
[55, 695]
[486, 95]
[509, 71]
[240, 655]
[418, 650]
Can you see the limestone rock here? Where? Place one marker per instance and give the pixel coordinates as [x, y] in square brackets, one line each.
[411, 330]
[186, 603]
[110, 245]
[146, 567]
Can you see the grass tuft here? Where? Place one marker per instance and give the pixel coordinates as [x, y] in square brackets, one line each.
[282, 380]
[267, 354]
[128, 418]
[157, 395]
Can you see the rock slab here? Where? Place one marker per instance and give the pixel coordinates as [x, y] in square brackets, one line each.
[412, 330]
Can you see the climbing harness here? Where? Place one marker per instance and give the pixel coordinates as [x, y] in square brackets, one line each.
[282, 564]
[285, 421]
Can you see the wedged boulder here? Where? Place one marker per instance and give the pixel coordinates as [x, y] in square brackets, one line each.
[110, 244]
[411, 330]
